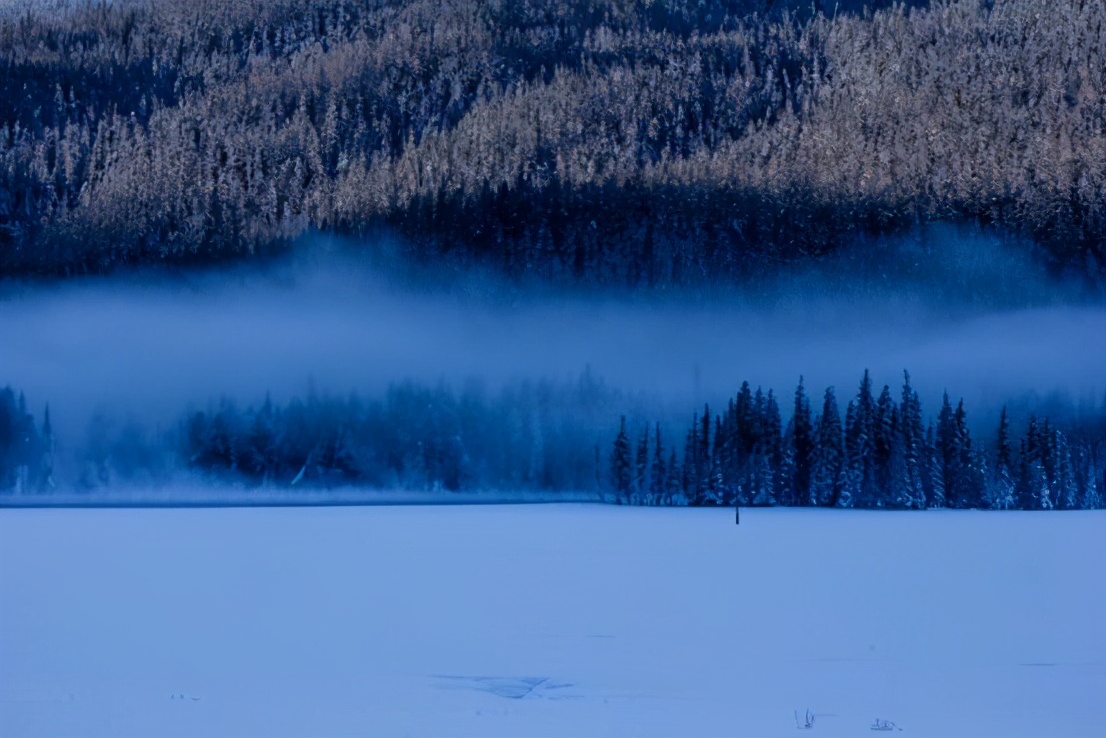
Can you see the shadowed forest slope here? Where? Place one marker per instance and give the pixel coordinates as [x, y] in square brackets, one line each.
[605, 141]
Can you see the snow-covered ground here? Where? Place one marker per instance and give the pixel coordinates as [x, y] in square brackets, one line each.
[556, 620]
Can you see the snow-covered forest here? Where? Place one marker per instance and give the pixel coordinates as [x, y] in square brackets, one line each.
[602, 141]
[535, 437]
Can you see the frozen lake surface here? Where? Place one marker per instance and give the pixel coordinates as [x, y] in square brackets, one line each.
[550, 620]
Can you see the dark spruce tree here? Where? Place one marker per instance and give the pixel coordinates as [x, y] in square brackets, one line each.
[26, 456]
[1003, 493]
[912, 486]
[622, 465]
[860, 419]
[885, 444]
[801, 440]
[658, 474]
[828, 468]
[641, 467]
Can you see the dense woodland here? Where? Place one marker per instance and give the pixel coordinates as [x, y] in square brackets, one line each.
[884, 453]
[644, 143]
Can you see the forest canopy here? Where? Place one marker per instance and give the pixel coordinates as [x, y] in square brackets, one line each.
[642, 143]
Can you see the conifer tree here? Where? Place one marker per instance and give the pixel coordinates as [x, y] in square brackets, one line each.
[971, 466]
[884, 440]
[658, 476]
[673, 489]
[935, 471]
[703, 468]
[771, 450]
[622, 465]
[719, 449]
[1092, 493]
[691, 465]
[47, 447]
[913, 447]
[1064, 487]
[641, 467]
[802, 448]
[827, 471]
[963, 484]
[1002, 492]
[860, 420]
[785, 474]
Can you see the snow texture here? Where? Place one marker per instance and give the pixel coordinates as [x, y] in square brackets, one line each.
[550, 620]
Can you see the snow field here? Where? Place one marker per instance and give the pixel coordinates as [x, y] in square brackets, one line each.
[550, 620]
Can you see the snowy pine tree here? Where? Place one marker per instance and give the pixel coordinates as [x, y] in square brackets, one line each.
[912, 435]
[622, 465]
[658, 475]
[884, 442]
[1091, 492]
[641, 468]
[859, 432]
[771, 444]
[934, 471]
[802, 449]
[1002, 494]
[1065, 491]
[827, 471]
[673, 489]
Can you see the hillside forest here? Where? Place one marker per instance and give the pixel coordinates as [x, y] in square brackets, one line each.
[633, 143]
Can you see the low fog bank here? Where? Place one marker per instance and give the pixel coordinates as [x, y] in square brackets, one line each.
[974, 318]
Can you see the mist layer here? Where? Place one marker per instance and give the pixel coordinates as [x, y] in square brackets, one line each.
[148, 347]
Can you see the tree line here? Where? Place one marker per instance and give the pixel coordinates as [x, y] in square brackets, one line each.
[651, 143]
[548, 437]
[527, 436]
[26, 451]
[523, 436]
[883, 455]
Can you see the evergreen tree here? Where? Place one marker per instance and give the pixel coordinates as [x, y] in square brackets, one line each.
[621, 465]
[1002, 492]
[827, 471]
[658, 477]
[884, 440]
[1032, 485]
[725, 454]
[1064, 489]
[673, 489]
[948, 451]
[261, 453]
[802, 448]
[48, 446]
[692, 464]
[912, 433]
[704, 487]
[1036, 481]
[771, 450]
[785, 473]
[1091, 492]
[970, 468]
[860, 421]
[962, 468]
[641, 467]
[716, 489]
[934, 471]
[900, 493]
